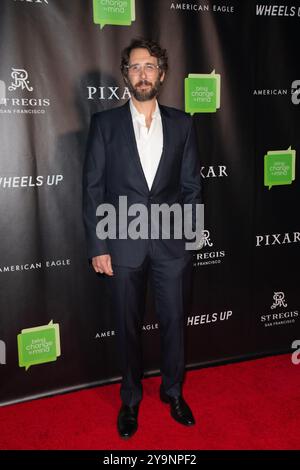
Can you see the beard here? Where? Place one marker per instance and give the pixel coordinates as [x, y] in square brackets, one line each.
[144, 94]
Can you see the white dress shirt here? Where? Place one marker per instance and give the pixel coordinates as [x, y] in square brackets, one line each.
[149, 141]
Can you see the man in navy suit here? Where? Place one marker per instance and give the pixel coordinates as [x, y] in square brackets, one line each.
[148, 153]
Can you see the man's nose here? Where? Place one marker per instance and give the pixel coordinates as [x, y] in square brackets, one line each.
[143, 73]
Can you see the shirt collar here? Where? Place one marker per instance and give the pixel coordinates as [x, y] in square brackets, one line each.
[140, 116]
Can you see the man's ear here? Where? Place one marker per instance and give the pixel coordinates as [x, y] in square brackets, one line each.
[162, 77]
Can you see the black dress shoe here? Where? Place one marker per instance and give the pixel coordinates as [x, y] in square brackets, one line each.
[127, 420]
[180, 410]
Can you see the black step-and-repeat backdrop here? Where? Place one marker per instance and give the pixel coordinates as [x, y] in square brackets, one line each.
[235, 66]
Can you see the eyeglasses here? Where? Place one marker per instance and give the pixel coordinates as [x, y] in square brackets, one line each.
[135, 69]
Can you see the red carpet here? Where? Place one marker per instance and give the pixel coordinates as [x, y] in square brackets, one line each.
[248, 405]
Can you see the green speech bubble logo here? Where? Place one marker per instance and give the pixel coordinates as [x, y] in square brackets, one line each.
[39, 345]
[279, 166]
[115, 12]
[202, 92]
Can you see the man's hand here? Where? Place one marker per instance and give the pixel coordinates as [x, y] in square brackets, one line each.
[102, 264]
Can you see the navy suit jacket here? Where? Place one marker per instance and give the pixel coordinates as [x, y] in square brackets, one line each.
[112, 168]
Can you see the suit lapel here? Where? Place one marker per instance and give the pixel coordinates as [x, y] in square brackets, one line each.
[128, 131]
[166, 143]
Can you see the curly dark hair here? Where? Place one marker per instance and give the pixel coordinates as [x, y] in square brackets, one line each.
[152, 47]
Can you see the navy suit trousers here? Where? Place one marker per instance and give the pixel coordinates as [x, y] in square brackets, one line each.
[170, 281]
